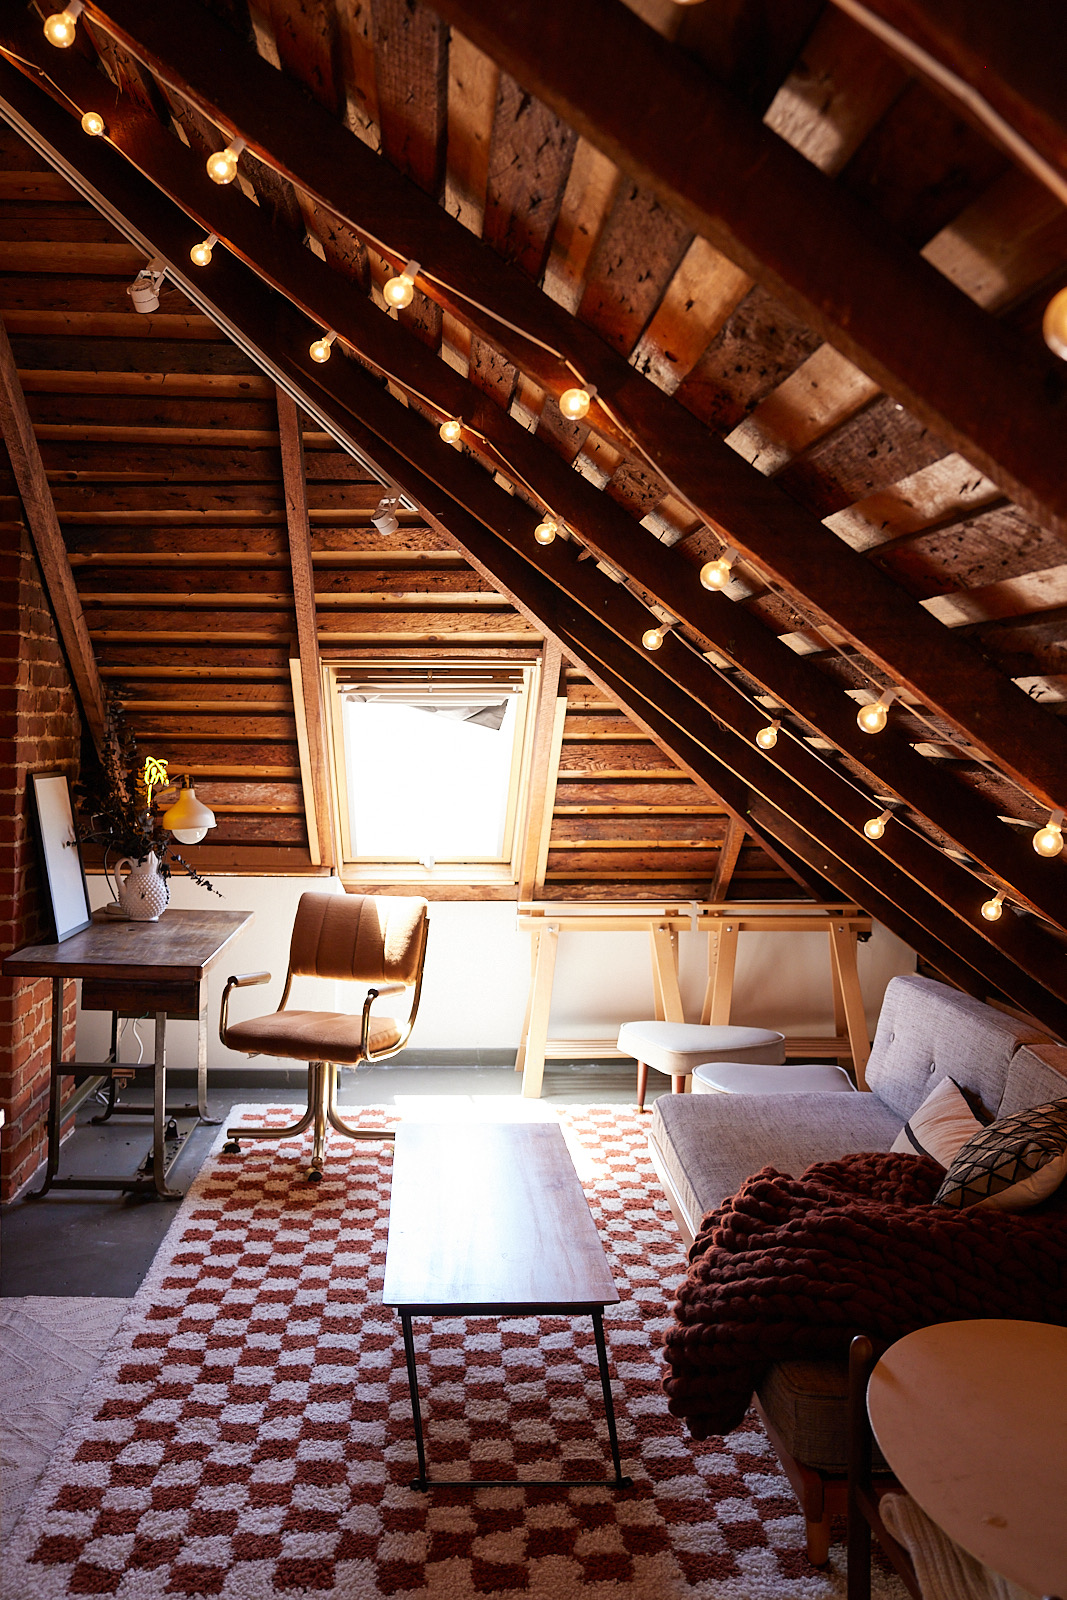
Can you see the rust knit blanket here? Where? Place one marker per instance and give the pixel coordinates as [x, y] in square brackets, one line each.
[794, 1267]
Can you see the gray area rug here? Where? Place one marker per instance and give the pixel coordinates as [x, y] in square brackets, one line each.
[49, 1349]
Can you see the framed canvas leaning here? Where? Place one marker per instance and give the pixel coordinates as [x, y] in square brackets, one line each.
[60, 856]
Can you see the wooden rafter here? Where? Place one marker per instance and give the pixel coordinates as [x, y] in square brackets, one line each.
[317, 804]
[407, 448]
[997, 400]
[664, 574]
[313, 151]
[47, 539]
[731, 849]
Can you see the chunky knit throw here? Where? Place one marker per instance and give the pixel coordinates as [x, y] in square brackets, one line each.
[795, 1267]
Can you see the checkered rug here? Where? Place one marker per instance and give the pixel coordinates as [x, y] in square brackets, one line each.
[249, 1432]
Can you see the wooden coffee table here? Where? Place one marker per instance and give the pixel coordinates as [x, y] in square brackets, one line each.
[489, 1219]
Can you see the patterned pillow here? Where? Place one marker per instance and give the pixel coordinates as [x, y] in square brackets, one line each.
[943, 1123]
[1014, 1163]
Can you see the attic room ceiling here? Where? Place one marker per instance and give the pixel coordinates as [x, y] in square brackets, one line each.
[804, 288]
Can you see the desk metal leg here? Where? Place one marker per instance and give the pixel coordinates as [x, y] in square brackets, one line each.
[159, 1113]
[421, 1481]
[609, 1404]
[55, 1090]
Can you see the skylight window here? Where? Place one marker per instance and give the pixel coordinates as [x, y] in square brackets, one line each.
[430, 765]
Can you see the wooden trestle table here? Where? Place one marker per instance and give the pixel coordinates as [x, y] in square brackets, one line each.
[132, 969]
[723, 923]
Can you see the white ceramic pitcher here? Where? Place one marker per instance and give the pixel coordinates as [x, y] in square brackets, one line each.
[143, 894]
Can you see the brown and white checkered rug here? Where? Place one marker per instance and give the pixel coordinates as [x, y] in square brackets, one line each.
[249, 1433]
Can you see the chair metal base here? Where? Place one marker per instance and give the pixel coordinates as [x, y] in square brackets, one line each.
[321, 1114]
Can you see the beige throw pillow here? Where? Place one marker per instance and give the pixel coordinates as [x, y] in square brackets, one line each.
[941, 1126]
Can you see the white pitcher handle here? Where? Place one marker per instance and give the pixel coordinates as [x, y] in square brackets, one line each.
[117, 870]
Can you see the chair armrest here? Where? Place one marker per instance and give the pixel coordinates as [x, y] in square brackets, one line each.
[385, 988]
[242, 980]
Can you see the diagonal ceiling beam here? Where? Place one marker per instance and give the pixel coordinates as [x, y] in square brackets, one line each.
[309, 147]
[665, 574]
[32, 480]
[680, 687]
[997, 399]
[607, 528]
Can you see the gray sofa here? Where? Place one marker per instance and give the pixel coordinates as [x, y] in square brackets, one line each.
[703, 1146]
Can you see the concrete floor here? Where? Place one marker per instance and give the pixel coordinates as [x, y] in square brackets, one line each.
[101, 1244]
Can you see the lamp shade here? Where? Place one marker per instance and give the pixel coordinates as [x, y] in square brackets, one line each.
[188, 819]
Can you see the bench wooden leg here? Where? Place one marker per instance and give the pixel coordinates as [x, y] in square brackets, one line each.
[817, 1536]
[642, 1084]
[678, 1082]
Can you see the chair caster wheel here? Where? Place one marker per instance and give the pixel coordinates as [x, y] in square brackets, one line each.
[314, 1175]
[232, 1147]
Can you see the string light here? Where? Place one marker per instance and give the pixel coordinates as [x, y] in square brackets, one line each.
[1054, 324]
[652, 638]
[93, 124]
[874, 827]
[767, 737]
[61, 26]
[200, 254]
[450, 430]
[717, 574]
[992, 909]
[320, 350]
[1048, 841]
[400, 291]
[222, 164]
[575, 403]
[873, 718]
[546, 531]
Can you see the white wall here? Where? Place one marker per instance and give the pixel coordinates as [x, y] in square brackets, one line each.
[478, 972]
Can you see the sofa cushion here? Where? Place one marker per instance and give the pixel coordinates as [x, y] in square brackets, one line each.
[943, 1123]
[1038, 1073]
[1016, 1163]
[927, 1032]
[806, 1403]
[708, 1144]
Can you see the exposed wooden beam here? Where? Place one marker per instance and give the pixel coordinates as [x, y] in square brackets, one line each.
[43, 524]
[728, 854]
[834, 260]
[311, 149]
[408, 449]
[1006, 76]
[996, 711]
[320, 817]
[544, 765]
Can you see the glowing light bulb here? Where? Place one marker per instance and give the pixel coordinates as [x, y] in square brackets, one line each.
[1054, 324]
[717, 574]
[451, 430]
[546, 531]
[767, 737]
[875, 827]
[93, 124]
[1048, 841]
[400, 291]
[61, 27]
[200, 254]
[992, 909]
[320, 350]
[652, 638]
[222, 164]
[873, 718]
[574, 403]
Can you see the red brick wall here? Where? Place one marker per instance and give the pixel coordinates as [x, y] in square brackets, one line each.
[40, 730]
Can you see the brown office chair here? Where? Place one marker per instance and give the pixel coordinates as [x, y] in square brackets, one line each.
[372, 939]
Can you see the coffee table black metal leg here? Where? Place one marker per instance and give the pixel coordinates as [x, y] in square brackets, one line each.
[421, 1481]
[609, 1404]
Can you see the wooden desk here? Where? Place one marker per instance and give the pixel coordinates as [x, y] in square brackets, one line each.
[489, 1219]
[134, 969]
[723, 923]
[972, 1418]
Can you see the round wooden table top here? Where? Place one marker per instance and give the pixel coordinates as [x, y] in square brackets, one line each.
[972, 1418]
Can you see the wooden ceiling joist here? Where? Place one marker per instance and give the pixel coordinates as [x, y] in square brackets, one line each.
[40, 511]
[664, 574]
[752, 513]
[999, 401]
